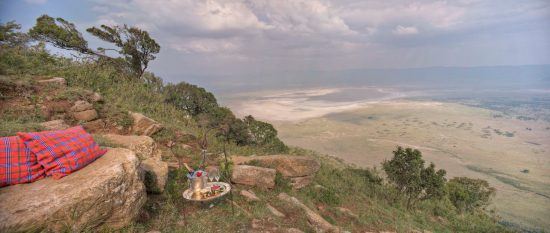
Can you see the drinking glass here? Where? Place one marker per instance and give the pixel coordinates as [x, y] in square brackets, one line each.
[216, 174]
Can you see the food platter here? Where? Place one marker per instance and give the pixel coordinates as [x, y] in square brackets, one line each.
[213, 190]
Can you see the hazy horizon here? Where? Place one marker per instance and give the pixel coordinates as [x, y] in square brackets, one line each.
[276, 41]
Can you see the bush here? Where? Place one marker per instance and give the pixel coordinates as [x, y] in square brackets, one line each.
[469, 194]
[407, 172]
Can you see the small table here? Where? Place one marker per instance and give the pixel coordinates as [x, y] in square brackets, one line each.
[188, 193]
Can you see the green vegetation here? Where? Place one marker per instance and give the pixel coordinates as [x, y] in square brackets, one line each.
[407, 172]
[189, 112]
[468, 194]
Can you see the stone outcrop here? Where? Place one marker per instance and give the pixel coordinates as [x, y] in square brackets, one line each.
[318, 222]
[156, 174]
[55, 81]
[300, 182]
[255, 176]
[81, 105]
[287, 165]
[83, 111]
[144, 125]
[144, 146]
[249, 195]
[156, 170]
[274, 211]
[300, 169]
[54, 125]
[107, 193]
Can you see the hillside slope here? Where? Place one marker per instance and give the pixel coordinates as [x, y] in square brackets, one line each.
[356, 200]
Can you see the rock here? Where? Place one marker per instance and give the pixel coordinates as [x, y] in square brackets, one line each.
[320, 224]
[275, 211]
[156, 170]
[173, 165]
[144, 146]
[249, 195]
[287, 165]
[94, 126]
[347, 212]
[300, 182]
[255, 176]
[55, 81]
[107, 193]
[96, 97]
[156, 174]
[54, 125]
[144, 125]
[81, 105]
[293, 230]
[87, 115]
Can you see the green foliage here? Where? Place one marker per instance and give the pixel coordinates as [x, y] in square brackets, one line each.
[328, 196]
[60, 33]
[263, 134]
[469, 194]
[190, 98]
[10, 35]
[407, 172]
[281, 183]
[135, 45]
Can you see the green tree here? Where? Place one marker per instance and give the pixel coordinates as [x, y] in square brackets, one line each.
[60, 33]
[407, 172]
[195, 100]
[11, 36]
[135, 45]
[469, 194]
[265, 135]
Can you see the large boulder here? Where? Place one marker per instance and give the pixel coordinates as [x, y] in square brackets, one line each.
[87, 115]
[55, 81]
[299, 169]
[144, 125]
[156, 170]
[255, 176]
[156, 174]
[107, 193]
[287, 165]
[144, 146]
[83, 111]
[81, 105]
[316, 220]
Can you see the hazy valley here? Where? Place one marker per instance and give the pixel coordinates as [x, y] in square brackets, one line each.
[483, 135]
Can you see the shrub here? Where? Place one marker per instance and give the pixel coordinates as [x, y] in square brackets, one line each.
[407, 172]
[469, 194]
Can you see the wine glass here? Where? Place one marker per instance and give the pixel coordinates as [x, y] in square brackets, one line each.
[217, 175]
[210, 176]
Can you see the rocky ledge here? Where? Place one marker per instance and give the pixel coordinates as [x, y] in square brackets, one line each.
[108, 193]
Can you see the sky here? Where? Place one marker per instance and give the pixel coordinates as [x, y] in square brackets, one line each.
[270, 37]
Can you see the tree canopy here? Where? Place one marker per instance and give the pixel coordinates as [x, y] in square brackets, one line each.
[407, 172]
[135, 45]
[468, 194]
[60, 33]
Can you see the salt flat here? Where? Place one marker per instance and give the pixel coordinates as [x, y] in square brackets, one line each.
[511, 153]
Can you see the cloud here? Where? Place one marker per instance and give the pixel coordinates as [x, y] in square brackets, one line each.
[401, 30]
[39, 2]
[206, 45]
[330, 34]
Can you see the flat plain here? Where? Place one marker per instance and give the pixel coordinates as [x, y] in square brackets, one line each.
[510, 151]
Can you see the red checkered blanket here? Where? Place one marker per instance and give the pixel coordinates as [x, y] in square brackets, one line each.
[17, 164]
[62, 152]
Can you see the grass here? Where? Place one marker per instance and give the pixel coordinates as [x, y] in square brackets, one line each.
[362, 191]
